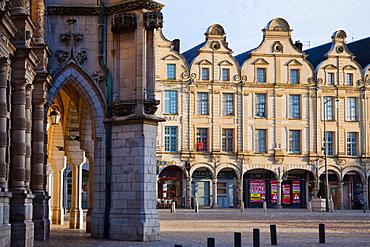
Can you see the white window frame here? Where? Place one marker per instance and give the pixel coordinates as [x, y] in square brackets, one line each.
[294, 106]
[351, 109]
[202, 103]
[352, 144]
[261, 141]
[228, 140]
[171, 71]
[170, 102]
[260, 107]
[228, 104]
[170, 138]
[295, 141]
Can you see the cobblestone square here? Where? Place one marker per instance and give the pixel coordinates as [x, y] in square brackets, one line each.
[295, 227]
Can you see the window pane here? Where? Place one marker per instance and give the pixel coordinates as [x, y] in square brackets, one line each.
[225, 75]
[328, 108]
[227, 104]
[294, 141]
[294, 106]
[171, 71]
[352, 144]
[330, 78]
[170, 139]
[329, 140]
[349, 79]
[205, 74]
[294, 76]
[260, 141]
[261, 75]
[260, 105]
[351, 109]
[170, 102]
[202, 103]
[227, 140]
[202, 140]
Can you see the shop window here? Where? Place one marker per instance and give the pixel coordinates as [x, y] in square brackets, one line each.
[227, 104]
[202, 103]
[170, 102]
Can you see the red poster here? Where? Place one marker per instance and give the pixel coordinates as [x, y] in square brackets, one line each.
[296, 188]
[286, 193]
[257, 190]
[273, 191]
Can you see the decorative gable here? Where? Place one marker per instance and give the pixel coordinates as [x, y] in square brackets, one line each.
[294, 62]
[260, 61]
[170, 57]
[204, 62]
[349, 67]
[225, 63]
[330, 66]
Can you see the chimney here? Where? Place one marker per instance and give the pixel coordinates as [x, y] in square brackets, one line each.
[299, 45]
[176, 45]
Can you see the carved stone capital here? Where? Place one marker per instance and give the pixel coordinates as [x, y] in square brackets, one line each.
[124, 108]
[123, 22]
[150, 106]
[153, 20]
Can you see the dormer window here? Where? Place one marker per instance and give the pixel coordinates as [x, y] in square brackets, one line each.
[205, 74]
[330, 79]
[225, 74]
[171, 71]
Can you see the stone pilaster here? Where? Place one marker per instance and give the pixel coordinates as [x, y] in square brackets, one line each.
[76, 216]
[240, 191]
[28, 119]
[214, 192]
[279, 191]
[188, 192]
[341, 195]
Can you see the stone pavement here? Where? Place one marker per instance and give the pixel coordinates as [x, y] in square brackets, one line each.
[295, 227]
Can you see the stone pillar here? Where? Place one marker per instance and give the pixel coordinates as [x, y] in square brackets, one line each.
[316, 187]
[57, 209]
[5, 195]
[133, 214]
[37, 15]
[76, 216]
[21, 202]
[188, 192]
[278, 203]
[28, 119]
[341, 195]
[214, 190]
[240, 191]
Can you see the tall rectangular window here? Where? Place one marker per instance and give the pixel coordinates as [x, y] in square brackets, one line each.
[352, 144]
[171, 71]
[170, 102]
[349, 79]
[260, 141]
[261, 75]
[294, 106]
[328, 108]
[170, 138]
[294, 76]
[330, 78]
[260, 105]
[202, 103]
[205, 73]
[351, 109]
[329, 142]
[225, 74]
[295, 141]
[202, 140]
[227, 140]
[227, 104]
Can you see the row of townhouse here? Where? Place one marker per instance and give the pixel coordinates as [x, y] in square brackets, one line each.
[251, 128]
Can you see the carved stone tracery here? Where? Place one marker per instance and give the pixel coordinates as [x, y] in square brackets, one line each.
[153, 20]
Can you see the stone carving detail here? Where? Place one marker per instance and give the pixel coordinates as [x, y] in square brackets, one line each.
[21, 4]
[124, 108]
[311, 80]
[81, 56]
[216, 158]
[98, 76]
[319, 81]
[341, 162]
[123, 22]
[153, 20]
[244, 78]
[150, 106]
[186, 75]
[61, 56]
[279, 160]
[73, 11]
[277, 47]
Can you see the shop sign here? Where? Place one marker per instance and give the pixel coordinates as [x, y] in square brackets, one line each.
[273, 191]
[286, 193]
[296, 187]
[165, 163]
[257, 190]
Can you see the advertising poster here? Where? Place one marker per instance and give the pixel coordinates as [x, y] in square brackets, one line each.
[296, 188]
[257, 190]
[273, 191]
[286, 193]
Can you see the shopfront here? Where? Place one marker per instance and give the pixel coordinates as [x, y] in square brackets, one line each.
[333, 188]
[259, 186]
[170, 187]
[354, 189]
[201, 187]
[296, 187]
[226, 188]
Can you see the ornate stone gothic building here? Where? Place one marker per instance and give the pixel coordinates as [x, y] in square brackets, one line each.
[77, 104]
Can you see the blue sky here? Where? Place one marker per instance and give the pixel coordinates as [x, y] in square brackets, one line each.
[313, 21]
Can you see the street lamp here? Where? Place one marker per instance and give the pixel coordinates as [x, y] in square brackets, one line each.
[327, 189]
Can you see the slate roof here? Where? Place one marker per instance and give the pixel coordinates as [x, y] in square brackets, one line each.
[316, 54]
[242, 57]
[192, 53]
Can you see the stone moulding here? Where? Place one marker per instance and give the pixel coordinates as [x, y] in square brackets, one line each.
[153, 19]
[109, 10]
[122, 22]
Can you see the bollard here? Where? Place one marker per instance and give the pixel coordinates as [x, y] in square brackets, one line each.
[178, 245]
[273, 234]
[256, 237]
[242, 207]
[237, 239]
[196, 207]
[173, 207]
[210, 242]
[364, 208]
[321, 233]
[309, 206]
[264, 207]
